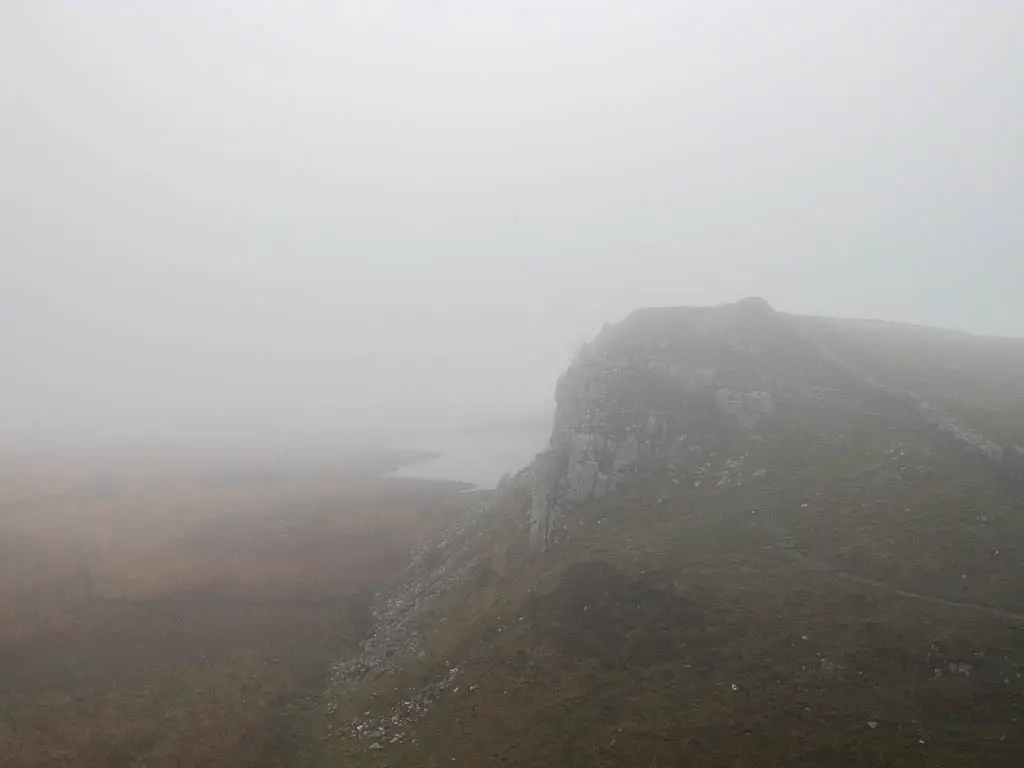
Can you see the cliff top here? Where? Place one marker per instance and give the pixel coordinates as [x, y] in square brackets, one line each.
[758, 539]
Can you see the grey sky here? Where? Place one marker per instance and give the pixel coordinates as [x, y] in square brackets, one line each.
[296, 215]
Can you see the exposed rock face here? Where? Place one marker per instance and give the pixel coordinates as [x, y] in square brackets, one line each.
[651, 390]
[746, 407]
[712, 397]
[636, 393]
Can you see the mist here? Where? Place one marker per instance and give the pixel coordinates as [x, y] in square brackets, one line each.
[301, 220]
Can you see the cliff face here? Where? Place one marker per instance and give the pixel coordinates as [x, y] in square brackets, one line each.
[647, 391]
[665, 384]
[826, 512]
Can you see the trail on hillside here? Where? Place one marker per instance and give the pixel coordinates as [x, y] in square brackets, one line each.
[813, 562]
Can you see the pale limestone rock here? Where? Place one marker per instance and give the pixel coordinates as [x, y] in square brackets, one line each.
[626, 455]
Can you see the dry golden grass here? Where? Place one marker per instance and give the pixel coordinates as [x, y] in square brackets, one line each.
[185, 612]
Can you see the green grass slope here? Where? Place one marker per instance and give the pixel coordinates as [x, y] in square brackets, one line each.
[843, 588]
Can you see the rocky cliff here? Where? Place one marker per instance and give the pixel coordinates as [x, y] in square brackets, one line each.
[746, 525]
[656, 389]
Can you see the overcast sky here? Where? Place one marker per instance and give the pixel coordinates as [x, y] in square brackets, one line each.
[293, 216]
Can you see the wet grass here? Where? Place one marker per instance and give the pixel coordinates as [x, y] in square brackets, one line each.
[676, 627]
[187, 614]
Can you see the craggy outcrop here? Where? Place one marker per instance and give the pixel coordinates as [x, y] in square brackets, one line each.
[649, 389]
[642, 390]
[716, 397]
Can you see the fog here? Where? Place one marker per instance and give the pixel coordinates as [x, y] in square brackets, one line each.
[291, 220]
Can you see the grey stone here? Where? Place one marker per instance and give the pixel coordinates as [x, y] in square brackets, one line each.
[690, 378]
[746, 407]
[627, 453]
[542, 508]
[580, 480]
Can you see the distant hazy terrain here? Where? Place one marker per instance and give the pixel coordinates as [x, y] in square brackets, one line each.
[184, 610]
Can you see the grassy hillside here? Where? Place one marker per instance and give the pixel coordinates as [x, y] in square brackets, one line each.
[843, 586]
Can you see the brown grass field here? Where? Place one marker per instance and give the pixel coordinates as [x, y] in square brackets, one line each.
[169, 611]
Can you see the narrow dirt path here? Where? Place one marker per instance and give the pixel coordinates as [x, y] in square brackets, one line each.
[881, 585]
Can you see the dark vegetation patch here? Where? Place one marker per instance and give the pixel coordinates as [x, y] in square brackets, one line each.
[599, 613]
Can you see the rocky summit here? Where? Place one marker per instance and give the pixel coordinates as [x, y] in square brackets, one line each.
[754, 539]
[654, 388]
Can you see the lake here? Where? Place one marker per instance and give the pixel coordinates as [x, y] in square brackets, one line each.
[480, 458]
